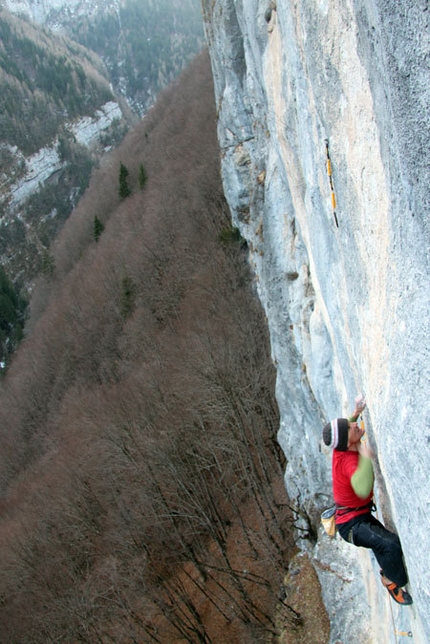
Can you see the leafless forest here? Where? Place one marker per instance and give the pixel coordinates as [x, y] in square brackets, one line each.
[141, 482]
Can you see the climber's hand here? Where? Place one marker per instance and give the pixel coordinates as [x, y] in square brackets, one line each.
[360, 404]
[365, 450]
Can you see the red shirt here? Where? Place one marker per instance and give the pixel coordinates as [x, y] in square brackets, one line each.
[343, 466]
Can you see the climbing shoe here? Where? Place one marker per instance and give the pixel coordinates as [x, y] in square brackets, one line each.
[398, 594]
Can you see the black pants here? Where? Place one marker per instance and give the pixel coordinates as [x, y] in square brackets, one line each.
[367, 532]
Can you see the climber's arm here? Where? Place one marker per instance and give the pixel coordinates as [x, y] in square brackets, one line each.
[363, 477]
[360, 405]
[354, 417]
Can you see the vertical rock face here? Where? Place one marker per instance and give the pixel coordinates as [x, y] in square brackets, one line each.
[347, 304]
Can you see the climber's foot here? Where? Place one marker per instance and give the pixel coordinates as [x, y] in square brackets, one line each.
[398, 594]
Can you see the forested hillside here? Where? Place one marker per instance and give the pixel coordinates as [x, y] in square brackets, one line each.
[12, 319]
[142, 485]
[46, 83]
[44, 78]
[144, 44]
[59, 111]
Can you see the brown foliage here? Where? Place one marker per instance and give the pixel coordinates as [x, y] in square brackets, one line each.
[143, 496]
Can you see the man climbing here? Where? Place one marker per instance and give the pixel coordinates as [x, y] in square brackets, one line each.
[353, 477]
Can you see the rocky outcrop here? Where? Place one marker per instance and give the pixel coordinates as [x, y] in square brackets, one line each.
[41, 167]
[347, 303]
[38, 169]
[87, 130]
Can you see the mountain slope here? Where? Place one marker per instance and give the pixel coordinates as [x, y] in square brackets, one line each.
[51, 91]
[60, 108]
[142, 488]
[45, 80]
[144, 44]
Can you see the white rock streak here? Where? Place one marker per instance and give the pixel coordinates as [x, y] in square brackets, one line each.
[87, 131]
[46, 162]
[39, 167]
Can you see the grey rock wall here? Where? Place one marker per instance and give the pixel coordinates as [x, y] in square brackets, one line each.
[40, 167]
[348, 305]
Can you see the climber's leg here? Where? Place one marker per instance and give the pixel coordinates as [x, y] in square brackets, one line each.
[370, 533]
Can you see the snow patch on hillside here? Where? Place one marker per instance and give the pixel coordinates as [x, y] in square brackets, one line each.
[45, 163]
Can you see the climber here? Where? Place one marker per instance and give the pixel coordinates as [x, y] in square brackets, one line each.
[353, 477]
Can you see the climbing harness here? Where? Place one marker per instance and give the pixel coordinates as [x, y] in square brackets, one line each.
[330, 177]
[328, 517]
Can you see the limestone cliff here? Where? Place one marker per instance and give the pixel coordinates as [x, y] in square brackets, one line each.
[346, 297]
[41, 167]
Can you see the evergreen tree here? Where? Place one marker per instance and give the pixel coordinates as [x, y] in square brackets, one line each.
[124, 190]
[12, 309]
[142, 176]
[128, 294]
[48, 264]
[98, 228]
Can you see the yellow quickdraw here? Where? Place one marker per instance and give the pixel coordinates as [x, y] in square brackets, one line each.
[330, 177]
[405, 633]
[361, 425]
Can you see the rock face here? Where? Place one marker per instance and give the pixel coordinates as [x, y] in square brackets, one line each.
[40, 167]
[348, 304]
[88, 130]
